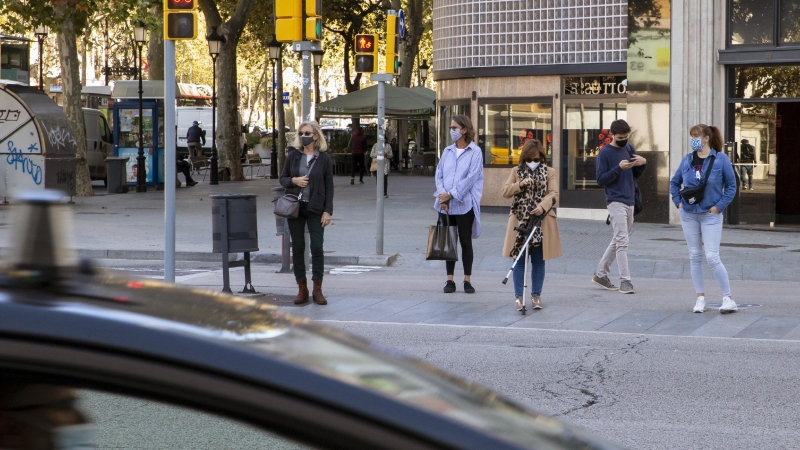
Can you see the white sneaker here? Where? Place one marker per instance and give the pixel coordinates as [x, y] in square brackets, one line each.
[518, 303]
[728, 306]
[700, 306]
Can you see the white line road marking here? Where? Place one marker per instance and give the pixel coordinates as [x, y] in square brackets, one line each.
[352, 270]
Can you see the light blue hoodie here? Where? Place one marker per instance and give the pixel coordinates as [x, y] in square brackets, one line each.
[720, 189]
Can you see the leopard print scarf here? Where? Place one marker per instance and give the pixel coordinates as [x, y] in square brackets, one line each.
[526, 201]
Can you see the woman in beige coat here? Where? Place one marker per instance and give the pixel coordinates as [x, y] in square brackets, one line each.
[533, 186]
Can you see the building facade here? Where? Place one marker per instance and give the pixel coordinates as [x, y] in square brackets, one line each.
[562, 70]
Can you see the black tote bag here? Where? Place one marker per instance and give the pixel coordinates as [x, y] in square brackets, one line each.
[442, 239]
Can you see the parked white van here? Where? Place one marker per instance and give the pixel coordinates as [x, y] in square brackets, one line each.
[99, 142]
[184, 116]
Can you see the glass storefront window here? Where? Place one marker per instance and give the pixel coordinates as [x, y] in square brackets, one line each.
[446, 112]
[504, 128]
[766, 82]
[585, 132]
[759, 124]
[752, 22]
[790, 21]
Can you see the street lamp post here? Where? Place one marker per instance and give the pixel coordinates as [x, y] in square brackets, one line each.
[274, 54]
[141, 177]
[215, 41]
[423, 71]
[317, 55]
[41, 35]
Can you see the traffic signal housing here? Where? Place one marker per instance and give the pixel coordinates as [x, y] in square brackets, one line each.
[180, 19]
[366, 53]
[288, 20]
[392, 45]
[313, 20]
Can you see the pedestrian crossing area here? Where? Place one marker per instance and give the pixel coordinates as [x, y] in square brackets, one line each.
[352, 270]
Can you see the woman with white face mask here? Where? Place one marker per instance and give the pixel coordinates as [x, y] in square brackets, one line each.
[534, 188]
[702, 220]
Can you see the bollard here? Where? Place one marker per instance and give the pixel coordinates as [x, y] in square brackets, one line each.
[234, 225]
[282, 227]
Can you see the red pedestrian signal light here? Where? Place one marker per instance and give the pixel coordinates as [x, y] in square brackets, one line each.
[184, 5]
[365, 43]
[366, 53]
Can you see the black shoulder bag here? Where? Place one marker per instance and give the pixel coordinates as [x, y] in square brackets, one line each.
[694, 195]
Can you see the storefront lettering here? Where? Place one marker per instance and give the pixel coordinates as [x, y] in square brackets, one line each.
[577, 86]
[24, 164]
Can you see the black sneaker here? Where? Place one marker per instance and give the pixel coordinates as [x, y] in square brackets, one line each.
[352, 181]
[449, 287]
[468, 288]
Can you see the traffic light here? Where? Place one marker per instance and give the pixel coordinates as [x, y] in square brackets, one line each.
[367, 53]
[392, 44]
[180, 19]
[288, 20]
[313, 20]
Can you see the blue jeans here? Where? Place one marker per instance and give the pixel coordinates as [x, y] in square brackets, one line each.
[746, 170]
[704, 231]
[537, 272]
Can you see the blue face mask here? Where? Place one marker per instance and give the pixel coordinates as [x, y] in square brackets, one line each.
[455, 135]
[697, 144]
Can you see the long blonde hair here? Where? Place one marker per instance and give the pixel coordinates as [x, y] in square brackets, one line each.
[320, 144]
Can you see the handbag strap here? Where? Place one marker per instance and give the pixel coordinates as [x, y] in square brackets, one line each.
[446, 218]
[314, 161]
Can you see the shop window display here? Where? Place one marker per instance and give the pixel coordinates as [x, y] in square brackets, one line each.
[585, 132]
[504, 128]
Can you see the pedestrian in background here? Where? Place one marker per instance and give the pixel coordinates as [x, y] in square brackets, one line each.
[195, 140]
[387, 156]
[459, 187]
[702, 222]
[358, 146]
[618, 166]
[746, 160]
[309, 172]
[534, 188]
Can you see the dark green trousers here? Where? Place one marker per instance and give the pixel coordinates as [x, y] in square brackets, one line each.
[297, 228]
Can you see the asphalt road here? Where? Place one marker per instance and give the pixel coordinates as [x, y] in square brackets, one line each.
[642, 392]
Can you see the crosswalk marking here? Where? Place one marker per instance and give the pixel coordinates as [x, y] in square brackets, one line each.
[352, 270]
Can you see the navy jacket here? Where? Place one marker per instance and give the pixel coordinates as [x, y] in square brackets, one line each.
[618, 183]
[195, 134]
[320, 179]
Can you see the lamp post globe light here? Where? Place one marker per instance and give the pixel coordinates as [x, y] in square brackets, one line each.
[274, 53]
[41, 34]
[139, 35]
[423, 71]
[215, 41]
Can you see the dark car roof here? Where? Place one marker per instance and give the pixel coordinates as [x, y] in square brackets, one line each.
[250, 340]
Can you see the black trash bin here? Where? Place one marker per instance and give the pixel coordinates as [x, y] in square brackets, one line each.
[116, 180]
[234, 229]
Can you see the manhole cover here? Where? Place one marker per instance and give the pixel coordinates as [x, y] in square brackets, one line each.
[280, 300]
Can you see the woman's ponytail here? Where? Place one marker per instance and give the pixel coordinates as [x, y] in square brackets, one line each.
[715, 140]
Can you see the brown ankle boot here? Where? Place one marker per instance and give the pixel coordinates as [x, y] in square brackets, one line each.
[317, 293]
[302, 292]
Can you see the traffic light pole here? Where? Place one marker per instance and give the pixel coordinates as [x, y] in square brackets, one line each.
[306, 47]
[170, 158]
[381, 78]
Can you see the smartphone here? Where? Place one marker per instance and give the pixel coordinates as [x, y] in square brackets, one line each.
[632, 160]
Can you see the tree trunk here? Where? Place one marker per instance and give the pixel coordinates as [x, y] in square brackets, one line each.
[411, 44]
[70, 77]
[228, 132]
[155, 47]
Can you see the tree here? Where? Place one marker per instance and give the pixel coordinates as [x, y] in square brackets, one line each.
[228, 132]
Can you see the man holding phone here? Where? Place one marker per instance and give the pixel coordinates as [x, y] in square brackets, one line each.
[617, 167]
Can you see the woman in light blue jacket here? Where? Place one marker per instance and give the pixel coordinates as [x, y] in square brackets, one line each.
[702, 222]
[459, 187]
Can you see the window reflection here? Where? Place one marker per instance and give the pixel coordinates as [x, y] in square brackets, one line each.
[446, 112]
[504, 128]
[790, 21]
[752, 22]
[585, 132]
[757, 123]
[766, 82]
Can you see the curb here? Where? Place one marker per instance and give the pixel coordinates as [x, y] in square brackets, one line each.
[255, 257]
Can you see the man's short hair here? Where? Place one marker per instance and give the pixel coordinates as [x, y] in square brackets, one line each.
[619, 127]
[195, 123]
[745, 141]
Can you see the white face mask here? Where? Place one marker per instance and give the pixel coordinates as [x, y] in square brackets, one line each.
[532, 165]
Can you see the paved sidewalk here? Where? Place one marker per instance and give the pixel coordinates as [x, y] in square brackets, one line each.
[131, 226]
